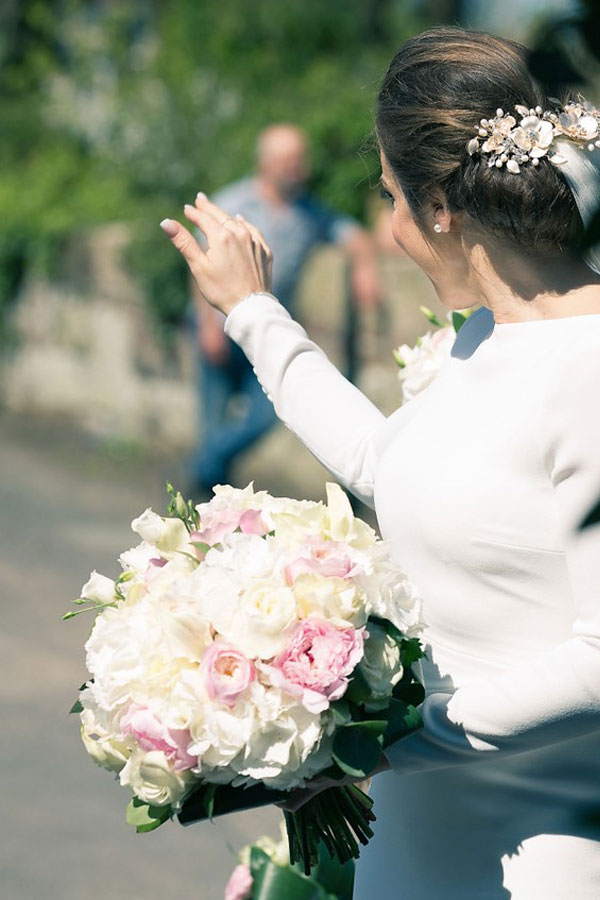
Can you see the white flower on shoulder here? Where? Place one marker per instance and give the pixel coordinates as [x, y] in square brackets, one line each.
[420, 364]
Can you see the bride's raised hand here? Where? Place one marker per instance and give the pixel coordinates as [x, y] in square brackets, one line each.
[237, 261]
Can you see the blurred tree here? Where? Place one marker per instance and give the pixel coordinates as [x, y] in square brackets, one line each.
[124, 110]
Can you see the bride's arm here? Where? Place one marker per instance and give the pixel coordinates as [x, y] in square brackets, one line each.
[338, 424]
[555, 695]
[343, 429]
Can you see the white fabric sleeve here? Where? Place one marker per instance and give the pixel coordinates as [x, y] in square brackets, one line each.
[554, 696]
[337, 423]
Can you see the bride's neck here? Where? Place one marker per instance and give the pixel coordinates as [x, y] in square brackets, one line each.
[521, 286]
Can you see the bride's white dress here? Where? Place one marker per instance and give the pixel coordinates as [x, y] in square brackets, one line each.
[478, 483]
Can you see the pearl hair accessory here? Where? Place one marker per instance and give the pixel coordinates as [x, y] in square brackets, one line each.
[511, 145]
[437, 228]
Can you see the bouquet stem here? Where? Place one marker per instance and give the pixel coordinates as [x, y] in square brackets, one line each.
[339, 817]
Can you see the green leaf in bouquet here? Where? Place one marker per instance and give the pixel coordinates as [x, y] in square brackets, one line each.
[389, 628]
[201, 546]
[209, 800]
[341, 712]
[409, 688]
[272, 882]
[402, 719]
[357, 747]
[144, 816]
[411, 651]
[358, 689]
[76, 708]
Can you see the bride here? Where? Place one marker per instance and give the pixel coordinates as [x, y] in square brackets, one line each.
[481, 481]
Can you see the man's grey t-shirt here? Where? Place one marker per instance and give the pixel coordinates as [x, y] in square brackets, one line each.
[290, 231]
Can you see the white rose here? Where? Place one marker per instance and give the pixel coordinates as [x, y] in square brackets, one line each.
[264, 618]
[99, 588]
[380, 665]
[153, 779]
[331, 598]
[294, 520]
[101, 735]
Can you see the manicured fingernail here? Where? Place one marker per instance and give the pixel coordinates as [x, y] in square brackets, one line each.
[239, 216]
[200, 195]
[188, 208]
[169, 227]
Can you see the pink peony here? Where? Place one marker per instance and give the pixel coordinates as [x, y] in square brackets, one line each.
[239, 886]
[317, 661]
[151, 734]
[329, 558]
[227, 672]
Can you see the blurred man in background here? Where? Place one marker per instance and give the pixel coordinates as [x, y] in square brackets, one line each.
[277, 201]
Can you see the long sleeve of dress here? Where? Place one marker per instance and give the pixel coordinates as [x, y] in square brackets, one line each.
[553, 695]
[338, 424]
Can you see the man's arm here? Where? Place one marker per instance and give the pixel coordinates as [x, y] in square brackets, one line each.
[211, 338]
[366, 283]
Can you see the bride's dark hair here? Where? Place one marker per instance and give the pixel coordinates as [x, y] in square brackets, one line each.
[436, 89]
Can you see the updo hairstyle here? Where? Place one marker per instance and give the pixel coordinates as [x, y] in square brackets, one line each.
[435, 91]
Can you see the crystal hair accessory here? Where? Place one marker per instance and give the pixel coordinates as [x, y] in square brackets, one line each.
[511, 144]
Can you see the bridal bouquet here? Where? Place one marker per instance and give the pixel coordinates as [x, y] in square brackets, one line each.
[249, 644]
[264, 872]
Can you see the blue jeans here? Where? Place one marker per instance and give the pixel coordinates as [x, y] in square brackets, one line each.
[224, 435]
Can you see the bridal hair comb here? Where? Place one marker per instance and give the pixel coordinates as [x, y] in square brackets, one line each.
[511, 144]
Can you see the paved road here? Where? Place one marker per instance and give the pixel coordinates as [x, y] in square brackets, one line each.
[65, 508]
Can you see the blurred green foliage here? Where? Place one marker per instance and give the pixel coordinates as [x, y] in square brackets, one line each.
[123, 111]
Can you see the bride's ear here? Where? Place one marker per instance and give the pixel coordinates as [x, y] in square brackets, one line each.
[443, 220]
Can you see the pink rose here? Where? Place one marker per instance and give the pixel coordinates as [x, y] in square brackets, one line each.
[151, 734]
[317, 661]
[239, 886]
[227, 672]
[328, 558]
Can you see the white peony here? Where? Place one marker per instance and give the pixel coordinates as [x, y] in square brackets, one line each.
[153, 779]
[263, 621]
[337, 599]
[281, 752]
[420, 364]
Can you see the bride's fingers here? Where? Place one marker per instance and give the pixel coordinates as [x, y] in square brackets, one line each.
[265, 256]
[204, 220]
[184, 242]
[206, 206]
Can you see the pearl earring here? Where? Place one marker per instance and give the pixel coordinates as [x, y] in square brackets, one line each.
[437, 228]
